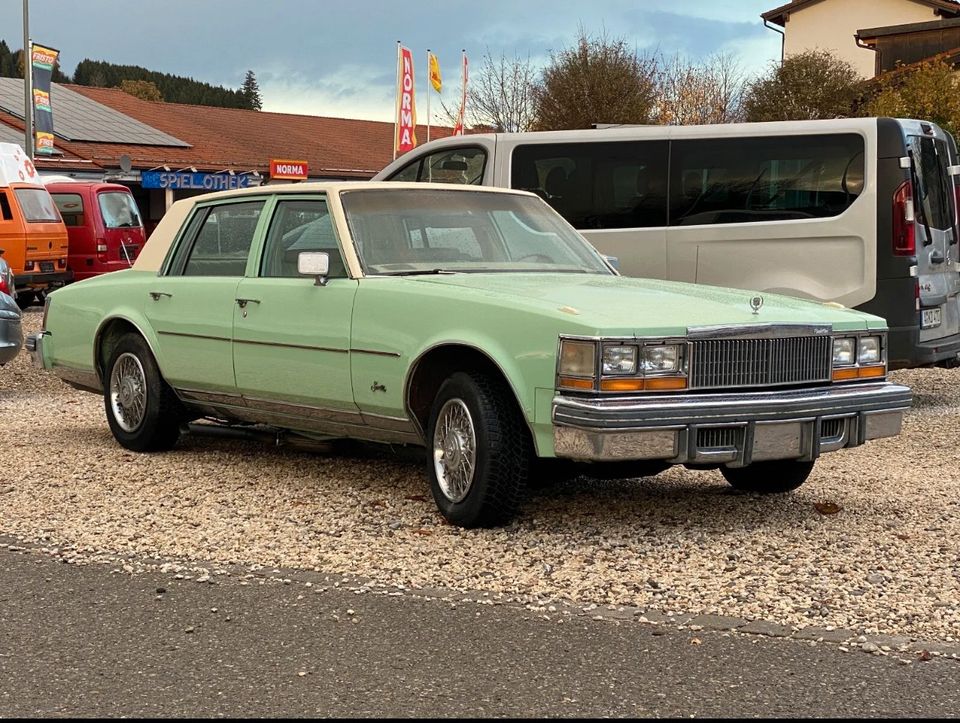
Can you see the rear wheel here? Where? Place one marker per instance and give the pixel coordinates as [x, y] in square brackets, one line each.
[772, 477]
[143, 412]
[479, 451]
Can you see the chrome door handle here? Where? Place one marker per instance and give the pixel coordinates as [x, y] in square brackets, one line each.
[155, 295]
[243, 302]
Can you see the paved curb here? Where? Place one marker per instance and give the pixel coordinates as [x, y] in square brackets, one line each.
[906, 649]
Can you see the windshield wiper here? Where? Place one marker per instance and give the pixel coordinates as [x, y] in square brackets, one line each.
[418, 272]
[918, 207]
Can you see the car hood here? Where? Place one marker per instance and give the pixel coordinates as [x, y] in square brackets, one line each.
[626, 304]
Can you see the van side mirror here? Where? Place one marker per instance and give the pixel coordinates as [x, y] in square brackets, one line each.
[953, 170]
[314, 263]
[453, 165]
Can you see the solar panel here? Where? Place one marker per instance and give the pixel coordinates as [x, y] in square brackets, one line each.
[13, 135]
[78, 118]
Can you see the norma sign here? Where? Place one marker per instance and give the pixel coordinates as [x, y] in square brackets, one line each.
[288, 170]
[197, 181]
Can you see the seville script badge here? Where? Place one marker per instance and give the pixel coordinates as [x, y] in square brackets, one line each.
[755, 303]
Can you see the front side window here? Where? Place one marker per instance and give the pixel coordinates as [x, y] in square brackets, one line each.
[430, 230]
[222, 240]
[70, 206]
[119, 209]
[747, 180]
[37, 205]
[597, 185]
[452, 165]
[299, 226]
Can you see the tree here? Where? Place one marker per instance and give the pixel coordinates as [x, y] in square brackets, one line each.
[251, 91]
[707, 92]
[930, 91]
[809, 85]
[499, 95]
[598, 80]
[142, 89]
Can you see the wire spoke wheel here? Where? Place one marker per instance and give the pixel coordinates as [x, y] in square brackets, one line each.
[128, 392]
[455, 450]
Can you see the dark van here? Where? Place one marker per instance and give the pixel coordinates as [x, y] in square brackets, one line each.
[103, 223]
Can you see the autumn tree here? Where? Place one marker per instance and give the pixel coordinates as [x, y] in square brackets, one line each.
[499, 95]
[809, 85]
[142, 89]
[930, 91]
[251, 91]
[598, 80]
[708, 91]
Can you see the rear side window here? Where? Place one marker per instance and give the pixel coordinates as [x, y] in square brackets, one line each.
[451, 165]
[118, 209]
[597, 185]
[222, 239]
[37, 206]
[749, 180]
[5, 211]
[71, 207]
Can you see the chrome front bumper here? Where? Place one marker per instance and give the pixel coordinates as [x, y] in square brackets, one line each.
[726, 428]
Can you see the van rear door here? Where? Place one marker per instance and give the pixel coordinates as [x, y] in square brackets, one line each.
[936, 241]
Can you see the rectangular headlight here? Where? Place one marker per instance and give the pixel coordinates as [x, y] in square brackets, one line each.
[578, 358]
[665, 358]
[869, 352]
[844, 351]
[619, 360]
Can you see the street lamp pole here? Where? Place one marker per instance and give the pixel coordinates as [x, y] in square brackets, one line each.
[27, 83]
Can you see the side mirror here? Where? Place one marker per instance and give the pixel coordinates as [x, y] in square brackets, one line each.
[314, 263]
[953, 170]
[613, 262]
[453, 165]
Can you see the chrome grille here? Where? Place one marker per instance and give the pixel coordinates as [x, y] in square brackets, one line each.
[725, 363]
[719, 437]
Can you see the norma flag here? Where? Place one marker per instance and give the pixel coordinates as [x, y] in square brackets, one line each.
[288, 170]
[406, 135]
[42, 62]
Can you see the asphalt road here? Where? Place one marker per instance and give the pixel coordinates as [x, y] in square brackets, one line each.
[82, 640]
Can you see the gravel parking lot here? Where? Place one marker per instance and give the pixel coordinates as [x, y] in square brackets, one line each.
[870, 543]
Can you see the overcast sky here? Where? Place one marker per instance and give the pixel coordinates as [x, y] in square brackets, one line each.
[337, 58]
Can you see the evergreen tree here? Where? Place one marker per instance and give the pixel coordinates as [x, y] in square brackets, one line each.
[251, 92]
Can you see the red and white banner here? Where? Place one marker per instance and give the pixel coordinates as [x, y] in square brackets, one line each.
[405, 138]
[458, 128]
[288, 170]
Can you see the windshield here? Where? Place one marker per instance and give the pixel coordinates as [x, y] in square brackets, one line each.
[37, 206]
[119, 210]
[398, 231]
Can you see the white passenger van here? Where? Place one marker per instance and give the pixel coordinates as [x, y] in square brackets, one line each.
[859, 211]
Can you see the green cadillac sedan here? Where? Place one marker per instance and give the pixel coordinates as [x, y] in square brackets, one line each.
[473, 322]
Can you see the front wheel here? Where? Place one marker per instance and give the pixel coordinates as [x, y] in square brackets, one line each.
[143, 412]
[772, 477]
[479, 451]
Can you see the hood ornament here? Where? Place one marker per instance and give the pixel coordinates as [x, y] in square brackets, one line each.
[755, 303]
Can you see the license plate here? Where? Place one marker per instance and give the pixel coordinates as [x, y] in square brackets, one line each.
[929, 318]
[46, 266]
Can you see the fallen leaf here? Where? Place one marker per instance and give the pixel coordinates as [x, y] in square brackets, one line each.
[924, 655]
[422, 531]
[696, 641]
[827, 508]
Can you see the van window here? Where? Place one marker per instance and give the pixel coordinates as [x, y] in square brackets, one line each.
[451, 165]
[931, 180]
[597, 185]
[119, 209]
[747, 180]
[37, 206]
[5, 210]
[70, 206]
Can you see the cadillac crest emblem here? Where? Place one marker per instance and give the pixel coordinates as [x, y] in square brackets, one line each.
[755, 303]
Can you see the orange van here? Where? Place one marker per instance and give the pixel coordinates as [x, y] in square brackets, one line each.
[32, 233]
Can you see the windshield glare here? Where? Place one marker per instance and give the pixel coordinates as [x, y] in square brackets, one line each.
[399, 231]
[119, 209]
